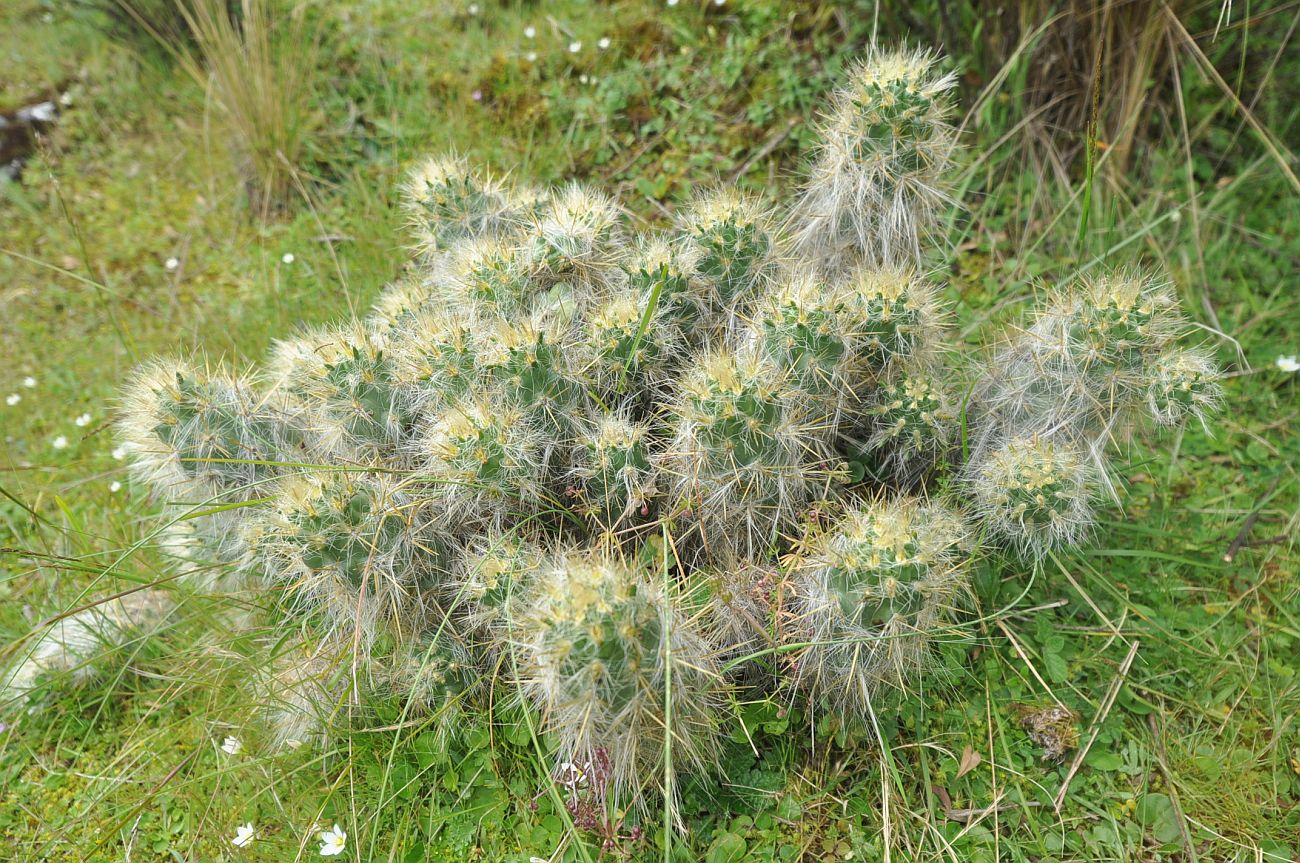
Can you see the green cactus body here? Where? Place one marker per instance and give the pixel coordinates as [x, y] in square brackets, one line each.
[576, 240]
[204, 435]
[495, 577]
[614, 473]
[626, 357]
[734, 245]
[671, 287]
[447, 202]
[344, 547]
[880, 176]
[484, 458]
[490, 274]
[912, 416]
[435, 358]
[1184, 383]
[894, 312]
[804, 330]
[597, 648]
[533, 373]
[1034, 493]
[744, 455]
[344, 380]
[894, 121]
[871, 595]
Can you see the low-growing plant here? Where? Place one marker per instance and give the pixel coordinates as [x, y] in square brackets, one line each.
[614, 478]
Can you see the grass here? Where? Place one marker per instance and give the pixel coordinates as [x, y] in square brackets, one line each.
[1197, 754]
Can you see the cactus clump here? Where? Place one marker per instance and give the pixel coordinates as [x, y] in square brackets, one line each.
[871, 595]
[600, 646]
[464, 494]
[1035, 493]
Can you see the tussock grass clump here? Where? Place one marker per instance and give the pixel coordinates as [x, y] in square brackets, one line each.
[608, 476]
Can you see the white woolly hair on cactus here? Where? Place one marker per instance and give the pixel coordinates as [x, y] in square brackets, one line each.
[73, 646]
[200, 434]
[869, 598]
[811, 331]
[302, 689]
[739, 611]
[667, 268]
[533, 368]
[576, 240]
[446, 200]
[1034, 493]
[487, 460]
[613, 472]
[747, 451]
[350, 552]
[912, 419]
[490, 275]
[597, 649]
[341, 379]
[627, 352]
[490, 583]
[434, 675]
[879, 177]
[1184, 384]
[398, 302]
[897, 314]
[1084, 361]
[435, 357]
[735, 247]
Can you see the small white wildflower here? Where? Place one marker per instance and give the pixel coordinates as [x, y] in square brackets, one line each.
[60, 442]
[672, 2]
[575, 46]
[172, 263]
[582, 79]
[231, 746]
[473, 8]
[603, 43]
[332, 842]
[29, 382]
[531, 56]
[13, 399]
[66, 99]
[114, 487]
[288, 258]
[82, 421]
[243, 835]
[1287, 364]
[118, 453]
[719, 2]
[530, 31]
[570, 775]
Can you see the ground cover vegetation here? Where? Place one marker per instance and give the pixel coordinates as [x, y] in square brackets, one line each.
[678, 473]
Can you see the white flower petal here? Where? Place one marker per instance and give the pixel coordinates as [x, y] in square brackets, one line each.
[244, 834]
[288, 258]
[1287, 363]
[231, 746]
[575, 46]
[172, 263]
[530, 31]
[332, 842]
[13, 399]
[61, 442]
[29, 382]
